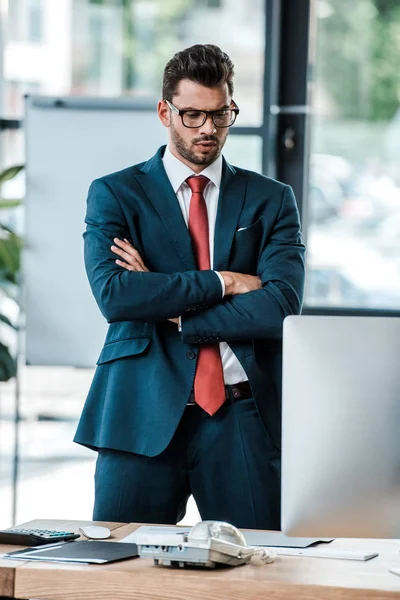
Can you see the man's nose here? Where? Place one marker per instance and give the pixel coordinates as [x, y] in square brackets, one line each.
[208, 127]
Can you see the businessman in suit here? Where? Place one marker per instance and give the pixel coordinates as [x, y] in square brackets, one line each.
[194, 263]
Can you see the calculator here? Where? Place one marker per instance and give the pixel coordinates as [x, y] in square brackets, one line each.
[35, 537]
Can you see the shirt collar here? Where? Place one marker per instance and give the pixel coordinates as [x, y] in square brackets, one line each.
[178, 172]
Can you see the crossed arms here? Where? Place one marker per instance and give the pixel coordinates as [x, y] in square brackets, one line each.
[234, 283]
[253, 306]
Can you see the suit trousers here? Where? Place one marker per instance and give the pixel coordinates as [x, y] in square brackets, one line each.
[227, 461]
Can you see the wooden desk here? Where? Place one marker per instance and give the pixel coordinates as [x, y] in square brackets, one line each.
[294, 578]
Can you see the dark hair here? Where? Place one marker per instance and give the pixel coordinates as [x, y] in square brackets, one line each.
[204, 64]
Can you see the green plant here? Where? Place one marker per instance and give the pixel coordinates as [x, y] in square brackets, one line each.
[10, 260]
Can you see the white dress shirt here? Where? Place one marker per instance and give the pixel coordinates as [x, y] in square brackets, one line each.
[177, 173]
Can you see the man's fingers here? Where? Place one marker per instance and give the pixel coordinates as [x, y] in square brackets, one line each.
[125, 255]
[126, 251]
[125, 265]
[127, 247]
[128, 267]
[130, 255]
[131, 260]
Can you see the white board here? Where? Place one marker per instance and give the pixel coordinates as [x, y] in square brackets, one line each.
[69, 142]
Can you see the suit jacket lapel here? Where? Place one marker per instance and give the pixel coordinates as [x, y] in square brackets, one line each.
[158, 189]
[230, 204]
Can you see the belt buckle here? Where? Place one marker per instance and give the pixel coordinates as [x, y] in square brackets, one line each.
[191, 401]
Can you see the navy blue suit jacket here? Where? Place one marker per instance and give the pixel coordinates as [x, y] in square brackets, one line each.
[146, 368]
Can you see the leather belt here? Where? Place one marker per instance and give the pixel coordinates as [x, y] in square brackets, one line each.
[239, 391]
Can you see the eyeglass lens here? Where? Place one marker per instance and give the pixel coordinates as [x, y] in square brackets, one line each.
[221, 118]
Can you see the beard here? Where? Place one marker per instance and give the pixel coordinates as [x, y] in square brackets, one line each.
[197, 159]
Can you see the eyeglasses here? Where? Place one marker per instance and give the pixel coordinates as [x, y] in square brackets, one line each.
[224, 117]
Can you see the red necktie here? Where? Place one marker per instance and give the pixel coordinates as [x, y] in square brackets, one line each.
[209, 388]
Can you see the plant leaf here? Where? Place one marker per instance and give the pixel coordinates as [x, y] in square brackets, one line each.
[10, 256]
[10, 173]
[7, 321]
[8, 365]
[18, 239]
[10, 202]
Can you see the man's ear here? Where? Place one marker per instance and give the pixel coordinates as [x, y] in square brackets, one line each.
[164, 113]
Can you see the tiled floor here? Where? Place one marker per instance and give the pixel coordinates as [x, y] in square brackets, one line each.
[55, 476]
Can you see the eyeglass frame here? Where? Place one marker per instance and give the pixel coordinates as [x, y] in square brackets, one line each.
[208, 113]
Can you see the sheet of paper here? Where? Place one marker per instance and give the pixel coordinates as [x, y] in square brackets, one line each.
[253, 538]
[327, 552]
[154, 529]
[277, 538]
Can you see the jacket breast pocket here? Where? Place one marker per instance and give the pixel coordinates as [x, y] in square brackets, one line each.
[122, 348]
[245, 249]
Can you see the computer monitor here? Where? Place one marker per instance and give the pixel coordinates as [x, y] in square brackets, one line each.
[341, 427]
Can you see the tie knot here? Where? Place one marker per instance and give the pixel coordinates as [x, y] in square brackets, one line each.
[197, 183]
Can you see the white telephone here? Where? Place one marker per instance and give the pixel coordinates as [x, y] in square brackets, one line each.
[207, 544]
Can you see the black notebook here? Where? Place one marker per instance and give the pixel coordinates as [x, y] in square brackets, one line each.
[83, 552]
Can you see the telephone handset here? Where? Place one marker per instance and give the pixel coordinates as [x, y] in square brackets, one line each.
[208, 544]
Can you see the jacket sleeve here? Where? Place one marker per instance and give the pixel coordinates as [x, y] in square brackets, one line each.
[127, 295]
[259, 314]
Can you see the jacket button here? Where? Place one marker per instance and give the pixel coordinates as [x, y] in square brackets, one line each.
[190, 354]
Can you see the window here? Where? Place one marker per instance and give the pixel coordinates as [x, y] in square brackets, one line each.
[25, 20]
[354, 191]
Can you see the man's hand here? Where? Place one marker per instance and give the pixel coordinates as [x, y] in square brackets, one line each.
[132, 259]
[238, 283]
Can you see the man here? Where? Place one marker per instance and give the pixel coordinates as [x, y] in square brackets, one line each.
[194, 264]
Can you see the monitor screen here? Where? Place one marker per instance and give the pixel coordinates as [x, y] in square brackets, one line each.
[341, 426]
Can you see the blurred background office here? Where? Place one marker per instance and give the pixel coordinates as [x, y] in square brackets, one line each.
[318, 86]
